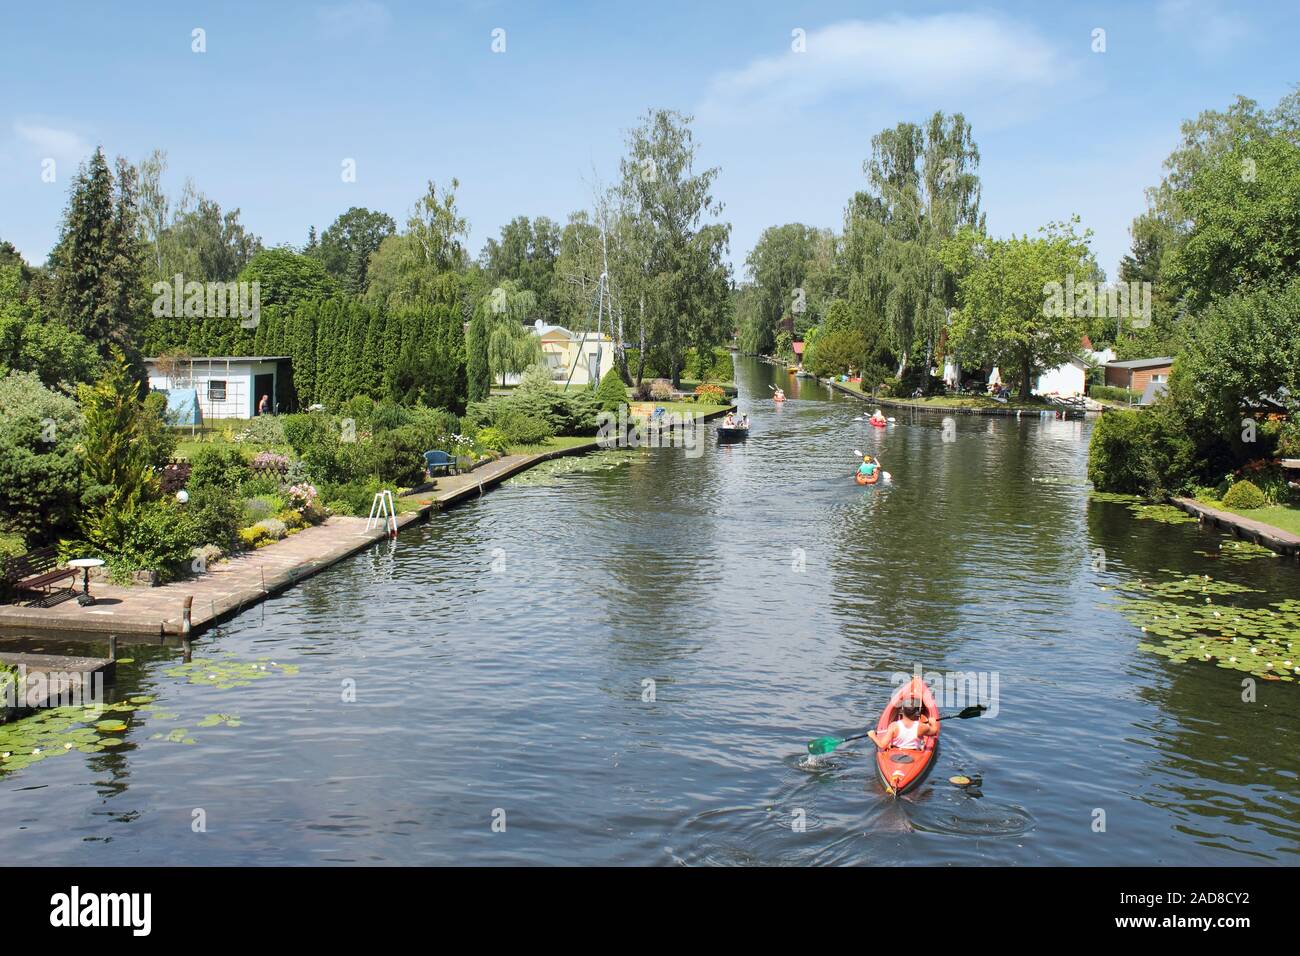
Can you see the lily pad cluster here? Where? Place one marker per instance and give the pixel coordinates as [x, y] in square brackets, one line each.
[1232, 549]
[549, 472]
[61, 730]
[225, 673]
[1182, 614]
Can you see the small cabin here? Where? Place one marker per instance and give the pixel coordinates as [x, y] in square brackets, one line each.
[225, 386]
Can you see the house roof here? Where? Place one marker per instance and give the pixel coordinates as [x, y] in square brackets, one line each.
[1142, 363]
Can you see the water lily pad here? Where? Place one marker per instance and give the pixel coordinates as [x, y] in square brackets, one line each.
[960, 781]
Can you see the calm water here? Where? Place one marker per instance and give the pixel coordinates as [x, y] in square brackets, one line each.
[500, 656]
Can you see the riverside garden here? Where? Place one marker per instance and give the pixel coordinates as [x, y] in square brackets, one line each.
[649, 638]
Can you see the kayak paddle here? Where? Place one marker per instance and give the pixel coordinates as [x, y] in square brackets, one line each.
[824, 745]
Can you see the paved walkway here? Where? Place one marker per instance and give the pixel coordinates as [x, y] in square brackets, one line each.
[1265, 534]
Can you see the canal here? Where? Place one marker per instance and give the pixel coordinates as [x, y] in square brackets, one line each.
[620, 659]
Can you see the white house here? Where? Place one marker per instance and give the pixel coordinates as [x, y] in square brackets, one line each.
[1071, 379]
[227, 386]
[578, 358]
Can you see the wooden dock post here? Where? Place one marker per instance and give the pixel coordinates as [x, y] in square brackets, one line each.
[112, 647]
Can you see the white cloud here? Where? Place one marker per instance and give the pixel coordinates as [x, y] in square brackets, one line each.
[942, 60]
[364, 19]
[1209, 29]
[64, 145]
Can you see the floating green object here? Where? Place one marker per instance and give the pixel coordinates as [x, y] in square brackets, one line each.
[112, 742]
[110, 726]
[1182, 616]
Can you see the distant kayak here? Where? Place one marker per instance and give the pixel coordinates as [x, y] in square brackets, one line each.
[902, 770]
[878, 424]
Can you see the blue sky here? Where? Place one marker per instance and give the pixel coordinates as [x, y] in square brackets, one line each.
[412, 91]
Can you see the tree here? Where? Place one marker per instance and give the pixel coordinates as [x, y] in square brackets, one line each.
[526, 254]
[779, 266]
[478, 367]
[346, 246]
[97, 264]
[511, 344]
[677, 271]
[40, 470]
[405, 270]
[1005, 313]
[925, 189]
[288, 279]
[30, 343]
[117, 460]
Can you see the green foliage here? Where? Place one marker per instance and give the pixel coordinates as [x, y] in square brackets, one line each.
[1002, 318]
[216, 515]
[346, 246]
[218, 466]
[118, 462]
[611, 393]
[494, 439]
[397, 454]
[478, 369]
[97, 265]
[29, 342]
[160, 537]
[1244, 495]
[836, 351]
[1111, 393]
[288, 279]
[1145, 452]
[40, 470]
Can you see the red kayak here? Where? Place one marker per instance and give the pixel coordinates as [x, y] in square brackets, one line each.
[902, 770]
[880, 424]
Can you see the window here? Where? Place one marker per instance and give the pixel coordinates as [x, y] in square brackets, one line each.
[216, 390]
[1157, 377]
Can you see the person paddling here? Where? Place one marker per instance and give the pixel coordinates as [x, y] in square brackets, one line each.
[878, 418]
[906, 732]
[868, 468]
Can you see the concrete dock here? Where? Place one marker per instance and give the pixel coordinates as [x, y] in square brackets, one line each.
[1280, 541]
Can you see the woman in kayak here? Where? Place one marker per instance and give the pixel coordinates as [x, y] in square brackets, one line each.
[878, 418]
[906, 732]
[868, 467]
[778, 395]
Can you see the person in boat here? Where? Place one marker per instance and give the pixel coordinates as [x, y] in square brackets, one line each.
[878, 418]
[729, 421]
[906, 732]
[744, 421]
[779, 395]
[868, 467]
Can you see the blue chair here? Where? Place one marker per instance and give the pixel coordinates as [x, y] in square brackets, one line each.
[440, 460]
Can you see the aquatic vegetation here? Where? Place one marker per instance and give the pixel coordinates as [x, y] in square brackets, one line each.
[224, 674]
[1183, 615]
[1115, 497]
[549, 472]
[1234, 550]
[58, 730]
[1165, 514]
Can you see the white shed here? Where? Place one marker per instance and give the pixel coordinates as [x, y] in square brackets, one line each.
[228, 386]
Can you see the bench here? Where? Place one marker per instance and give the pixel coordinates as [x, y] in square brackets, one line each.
[37, 572]
[440, 460]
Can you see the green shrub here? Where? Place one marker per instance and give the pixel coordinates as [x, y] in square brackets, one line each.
[1111, 393]
[259, 507]
[397, 454]
[1244, 495]
[661, 390]
[40, 480]
[493, 438]
[161, 536]
[611, 393]
[264, 430]
[259, 485]
[216, 514]
[218, 466]
[352, 498]
[1119, 458]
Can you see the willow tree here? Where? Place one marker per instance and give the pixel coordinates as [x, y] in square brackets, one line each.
[511, 344]
[925, 188]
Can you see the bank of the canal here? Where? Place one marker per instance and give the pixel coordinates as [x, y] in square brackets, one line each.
[623, 656]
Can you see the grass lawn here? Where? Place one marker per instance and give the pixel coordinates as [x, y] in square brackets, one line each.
[187, 449]
[1286, 517]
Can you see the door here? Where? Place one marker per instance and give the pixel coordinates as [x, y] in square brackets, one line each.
[264, 385]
